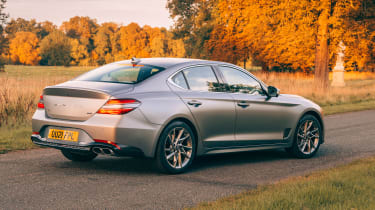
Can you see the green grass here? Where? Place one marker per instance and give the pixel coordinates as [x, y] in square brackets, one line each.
[348, 107]
[15, 138]
[346, 187]
[44, 71]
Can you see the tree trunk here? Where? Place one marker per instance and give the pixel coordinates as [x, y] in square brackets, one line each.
[264, 67]
[244, 63]
[322, 55]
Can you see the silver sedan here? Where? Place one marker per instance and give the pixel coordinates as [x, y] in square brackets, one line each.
[173, 110]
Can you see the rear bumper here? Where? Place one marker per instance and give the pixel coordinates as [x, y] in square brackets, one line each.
[131, 129]
[120, 150]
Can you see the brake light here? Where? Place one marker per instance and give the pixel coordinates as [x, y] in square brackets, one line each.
[107, 142]
[41, 102]
[35, 133]
[119, 106]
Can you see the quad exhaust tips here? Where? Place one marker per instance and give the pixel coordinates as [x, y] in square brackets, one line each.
[103, 151]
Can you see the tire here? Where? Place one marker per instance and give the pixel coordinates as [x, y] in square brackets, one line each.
[307, 137]
[176, 148]
[79, 157]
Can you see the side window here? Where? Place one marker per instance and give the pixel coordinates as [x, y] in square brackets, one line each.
[202, 78]
[179, 80]
[240, 82]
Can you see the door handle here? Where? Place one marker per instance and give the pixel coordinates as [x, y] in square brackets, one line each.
[243, 104]
[194, 103]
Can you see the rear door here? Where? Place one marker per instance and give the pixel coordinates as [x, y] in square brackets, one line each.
[212, 108]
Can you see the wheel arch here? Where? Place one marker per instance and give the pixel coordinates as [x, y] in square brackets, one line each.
[318, 117]
[198, 144]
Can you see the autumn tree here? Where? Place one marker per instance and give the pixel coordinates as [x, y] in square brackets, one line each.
[157, 41]
[81, 41]
[133, 41]
[223, 45]
[20, 24]
[24, 49]
[79, 53]
[55, 49]
[193, 23]
[46, 28]
[176, 47]
[78, 27]
[103, 42]
[82, 30]
[3, 39]
[301, 35]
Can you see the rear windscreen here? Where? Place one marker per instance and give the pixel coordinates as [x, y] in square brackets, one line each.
[120, 73]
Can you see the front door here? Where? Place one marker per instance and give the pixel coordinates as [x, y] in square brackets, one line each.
[260, 120]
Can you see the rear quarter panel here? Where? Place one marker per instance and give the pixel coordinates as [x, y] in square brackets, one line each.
[159, 107]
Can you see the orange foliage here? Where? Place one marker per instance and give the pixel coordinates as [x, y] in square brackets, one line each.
[284, 33]
[87, 43]
[78, 27]
[24, 48]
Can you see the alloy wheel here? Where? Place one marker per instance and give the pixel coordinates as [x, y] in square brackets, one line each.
[308, 135]
[178, 147]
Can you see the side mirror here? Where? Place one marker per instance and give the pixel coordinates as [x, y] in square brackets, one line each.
[273, 92]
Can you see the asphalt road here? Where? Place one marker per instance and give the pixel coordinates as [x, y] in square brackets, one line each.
[44, 179]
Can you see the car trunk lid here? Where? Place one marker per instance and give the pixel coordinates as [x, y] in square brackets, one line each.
[79, 100]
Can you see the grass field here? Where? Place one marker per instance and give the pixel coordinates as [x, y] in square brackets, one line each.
[21, 86]
[346, 187]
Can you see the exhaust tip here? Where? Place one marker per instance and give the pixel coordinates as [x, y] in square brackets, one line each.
[103, 151]
[107, 151]
[97, 150]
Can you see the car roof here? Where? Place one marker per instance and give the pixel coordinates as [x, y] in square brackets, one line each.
[168, 62]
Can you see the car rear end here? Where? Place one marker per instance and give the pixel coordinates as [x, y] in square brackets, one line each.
[85, 116]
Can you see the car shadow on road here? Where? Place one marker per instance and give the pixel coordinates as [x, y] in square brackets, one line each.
[240, 158]
[147, 166]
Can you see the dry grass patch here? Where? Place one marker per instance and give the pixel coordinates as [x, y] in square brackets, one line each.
[360, 87]
[21, 86]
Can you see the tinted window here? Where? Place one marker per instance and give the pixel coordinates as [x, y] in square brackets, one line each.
[202, 78]
[120, 73]
[179, 80]
[239, 81]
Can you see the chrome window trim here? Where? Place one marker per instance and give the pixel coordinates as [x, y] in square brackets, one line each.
[262, 85]
[192, 66]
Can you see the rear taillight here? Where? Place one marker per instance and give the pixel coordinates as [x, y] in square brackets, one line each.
[41, 102]
[119, 106]
[107, 142]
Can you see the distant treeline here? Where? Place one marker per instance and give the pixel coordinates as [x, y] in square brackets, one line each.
[278, 35]
[285, 35]
[82, 41]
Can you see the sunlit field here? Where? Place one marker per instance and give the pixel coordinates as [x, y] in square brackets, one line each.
[359, 89]
[21, 86]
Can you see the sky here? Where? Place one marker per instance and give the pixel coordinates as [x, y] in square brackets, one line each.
[143, 12]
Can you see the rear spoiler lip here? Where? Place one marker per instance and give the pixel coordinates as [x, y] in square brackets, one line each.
[75, 92]
[93, 90]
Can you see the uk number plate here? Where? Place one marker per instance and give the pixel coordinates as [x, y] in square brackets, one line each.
[63, 135]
